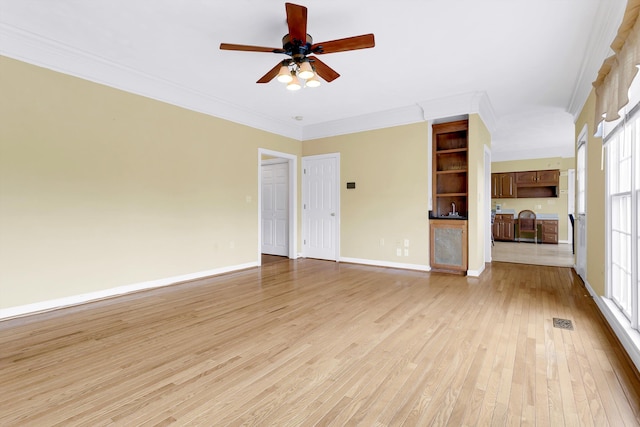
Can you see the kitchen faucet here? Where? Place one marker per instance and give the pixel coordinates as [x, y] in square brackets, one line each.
[453, 208]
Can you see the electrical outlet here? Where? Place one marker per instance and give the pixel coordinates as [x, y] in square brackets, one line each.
[406, 243]
[406, 252]
[399, 252]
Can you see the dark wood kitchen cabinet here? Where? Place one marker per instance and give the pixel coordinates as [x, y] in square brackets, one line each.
[503, 185]
[538, 178]
[540, 183]
[549, 231]
[503, 227]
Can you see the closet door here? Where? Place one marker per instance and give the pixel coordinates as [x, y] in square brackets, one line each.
[275, 209]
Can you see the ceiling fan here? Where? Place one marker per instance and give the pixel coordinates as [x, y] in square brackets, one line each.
[299, 46]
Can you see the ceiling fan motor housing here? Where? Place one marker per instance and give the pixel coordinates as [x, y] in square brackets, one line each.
[296, 48]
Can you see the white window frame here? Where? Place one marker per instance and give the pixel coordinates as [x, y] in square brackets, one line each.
[629, 304]
[624, 127]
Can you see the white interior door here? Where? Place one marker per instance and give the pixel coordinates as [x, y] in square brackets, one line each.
[581, 207]
[275, 209]
[320, 206]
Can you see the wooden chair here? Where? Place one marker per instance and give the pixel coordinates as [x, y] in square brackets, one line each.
[527, 223]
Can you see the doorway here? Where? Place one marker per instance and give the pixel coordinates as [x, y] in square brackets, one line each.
[279, 195]
[581, 205]
[487, 205]
[275, 207]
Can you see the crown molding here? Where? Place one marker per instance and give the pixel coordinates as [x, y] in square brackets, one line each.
[605, 27]
[47, 53]
[465, 103]
[377, 120]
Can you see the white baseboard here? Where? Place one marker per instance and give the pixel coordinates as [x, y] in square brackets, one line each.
[476, 273]
[629, 338]
[54, 304]
[378, 263]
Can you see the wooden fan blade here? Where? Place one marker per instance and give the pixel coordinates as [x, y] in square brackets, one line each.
[270, 74]
[323, 70]
[297, 22]
[246, 48]
[350, 43]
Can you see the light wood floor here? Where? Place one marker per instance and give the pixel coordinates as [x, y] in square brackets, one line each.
[560, 255]
[311, 342]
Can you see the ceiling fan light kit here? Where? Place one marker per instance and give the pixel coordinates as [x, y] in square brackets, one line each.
[305, 71]
[299, 46]
[294, 84]
[284, 75]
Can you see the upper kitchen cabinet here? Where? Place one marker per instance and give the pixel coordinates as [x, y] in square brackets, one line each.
[526, 184]
[540, 183]
[538, 178]
[503, 185]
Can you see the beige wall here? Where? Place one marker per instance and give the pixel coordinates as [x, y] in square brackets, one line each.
[479, 137]
[551, 205]
[390, 202]
[100, 188]
[595, 199]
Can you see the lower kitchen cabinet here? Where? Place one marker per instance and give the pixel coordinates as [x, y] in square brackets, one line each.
[503, 227]
[549, 230]
[448, 246]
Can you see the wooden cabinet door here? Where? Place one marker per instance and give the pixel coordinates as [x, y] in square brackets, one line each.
[503, 227]
[495, 185]
[507, 185]
[549, 231]
[529, 177]
[508, 231]
[503, 185]
[550, 177]
[495, 229]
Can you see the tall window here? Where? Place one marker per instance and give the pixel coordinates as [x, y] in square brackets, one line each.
[623, 209]
[619, 172]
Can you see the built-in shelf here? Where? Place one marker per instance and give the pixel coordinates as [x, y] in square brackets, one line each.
[450, 195]
[452, 171]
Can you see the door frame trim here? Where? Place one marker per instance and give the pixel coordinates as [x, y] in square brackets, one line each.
[487, 205]
[582, 140]
[337, 191]
[292, 160]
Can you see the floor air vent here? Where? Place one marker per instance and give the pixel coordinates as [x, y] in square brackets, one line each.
[562, 324]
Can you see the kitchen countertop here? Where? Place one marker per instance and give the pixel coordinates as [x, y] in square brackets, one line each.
[547, 216]
[447, 217]
[543, 216]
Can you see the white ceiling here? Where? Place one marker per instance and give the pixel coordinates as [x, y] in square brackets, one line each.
[525, 66]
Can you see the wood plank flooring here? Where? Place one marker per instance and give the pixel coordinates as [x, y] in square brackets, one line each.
[308, 342]
[560, 255]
